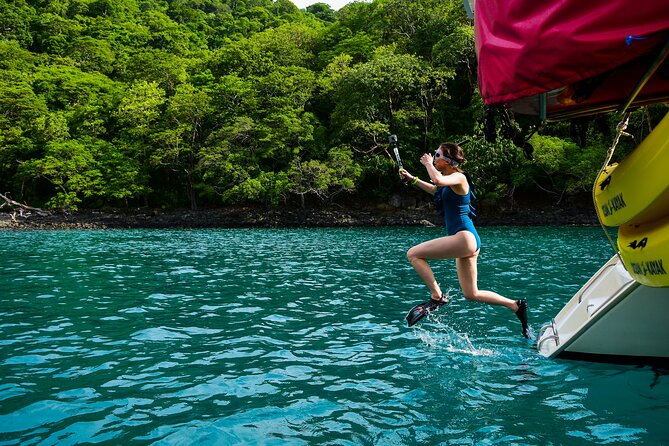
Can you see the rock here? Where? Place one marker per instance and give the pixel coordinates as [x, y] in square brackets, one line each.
[395, 201]
[489, 213]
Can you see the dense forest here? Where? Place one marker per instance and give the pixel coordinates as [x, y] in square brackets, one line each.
[210, 103]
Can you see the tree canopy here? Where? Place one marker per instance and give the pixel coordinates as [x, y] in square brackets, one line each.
[218, 102]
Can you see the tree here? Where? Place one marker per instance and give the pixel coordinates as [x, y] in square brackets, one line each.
[417, 25]
[266, 124]
[84, 169]
[53, 33]
[456, 51]
[178, 144]
[290, 44]
[168, 35]
[140, 108]
[69, 166]
[282, 116]
[15, 20]
[21, 111]
[559, 166]
[139, 115]
[162, 67]
[324, 179]
[92, 54]
[323, 11]
[391, 92]
[360, 47]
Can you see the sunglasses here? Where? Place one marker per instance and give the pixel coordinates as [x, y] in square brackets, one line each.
[450, 161]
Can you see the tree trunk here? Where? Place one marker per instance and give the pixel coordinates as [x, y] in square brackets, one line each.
[13, 205]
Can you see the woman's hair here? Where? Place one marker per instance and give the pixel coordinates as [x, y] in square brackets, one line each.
[453, 151]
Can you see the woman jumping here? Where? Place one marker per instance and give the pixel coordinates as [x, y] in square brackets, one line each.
[453, 192]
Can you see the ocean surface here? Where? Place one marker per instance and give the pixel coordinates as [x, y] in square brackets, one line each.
[297, 337]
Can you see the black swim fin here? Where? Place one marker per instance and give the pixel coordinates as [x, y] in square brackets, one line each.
[421, 310]
[522, 316]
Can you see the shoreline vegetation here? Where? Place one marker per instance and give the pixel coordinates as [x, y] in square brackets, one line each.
[216, 104]
[489, 213]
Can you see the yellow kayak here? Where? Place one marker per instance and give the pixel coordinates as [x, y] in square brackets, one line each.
[637, 189]
[644, 249]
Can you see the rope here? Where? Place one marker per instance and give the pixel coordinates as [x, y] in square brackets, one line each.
[620, 131]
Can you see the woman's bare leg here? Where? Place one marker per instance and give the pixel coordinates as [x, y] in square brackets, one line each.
[468, 277]
[453, 246]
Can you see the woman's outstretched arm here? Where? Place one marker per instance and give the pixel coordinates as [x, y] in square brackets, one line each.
[417, 182]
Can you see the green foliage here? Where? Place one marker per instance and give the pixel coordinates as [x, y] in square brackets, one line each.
[322, 11]
[15, 17]
[81, 169]
[491, 165]
[324, 179]
[173, 103]
[52, 33]
[92, 54]
[338, 41]
[391, 93]
[418, 25]
[140, 107]
[162, 67]
[22, 115]
[70, 166]
[455, 48]
[559, 166]
[247, 191]
[287, 45]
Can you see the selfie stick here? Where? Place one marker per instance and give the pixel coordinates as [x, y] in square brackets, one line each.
[393, 142]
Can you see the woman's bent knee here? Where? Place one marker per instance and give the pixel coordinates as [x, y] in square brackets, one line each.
[470, 296]
[411, 254]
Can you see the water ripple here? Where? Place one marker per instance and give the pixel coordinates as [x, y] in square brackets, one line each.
[298, 337]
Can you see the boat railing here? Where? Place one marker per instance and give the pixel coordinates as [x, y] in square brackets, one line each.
[555, 336]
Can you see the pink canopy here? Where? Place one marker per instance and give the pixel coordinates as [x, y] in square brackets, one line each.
[527, 47]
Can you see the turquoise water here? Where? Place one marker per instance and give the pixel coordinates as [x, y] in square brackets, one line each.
[180, 337]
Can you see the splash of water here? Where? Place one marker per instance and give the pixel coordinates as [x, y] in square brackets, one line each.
[442, 335]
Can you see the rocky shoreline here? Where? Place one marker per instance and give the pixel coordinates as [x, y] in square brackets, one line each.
[488, 214]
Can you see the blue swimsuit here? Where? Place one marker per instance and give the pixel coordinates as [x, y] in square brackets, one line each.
[457, 210]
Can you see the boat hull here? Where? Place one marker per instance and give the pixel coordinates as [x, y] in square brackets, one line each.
[611, 317]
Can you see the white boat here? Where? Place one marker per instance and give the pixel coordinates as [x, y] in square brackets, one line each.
[569, 60]
[612, 318]
[620, 314]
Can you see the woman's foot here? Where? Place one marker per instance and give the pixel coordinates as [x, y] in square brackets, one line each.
[433, 303]
[421, 310]
[521, 314]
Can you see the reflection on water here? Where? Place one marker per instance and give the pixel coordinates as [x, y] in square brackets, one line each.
[298, 337]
